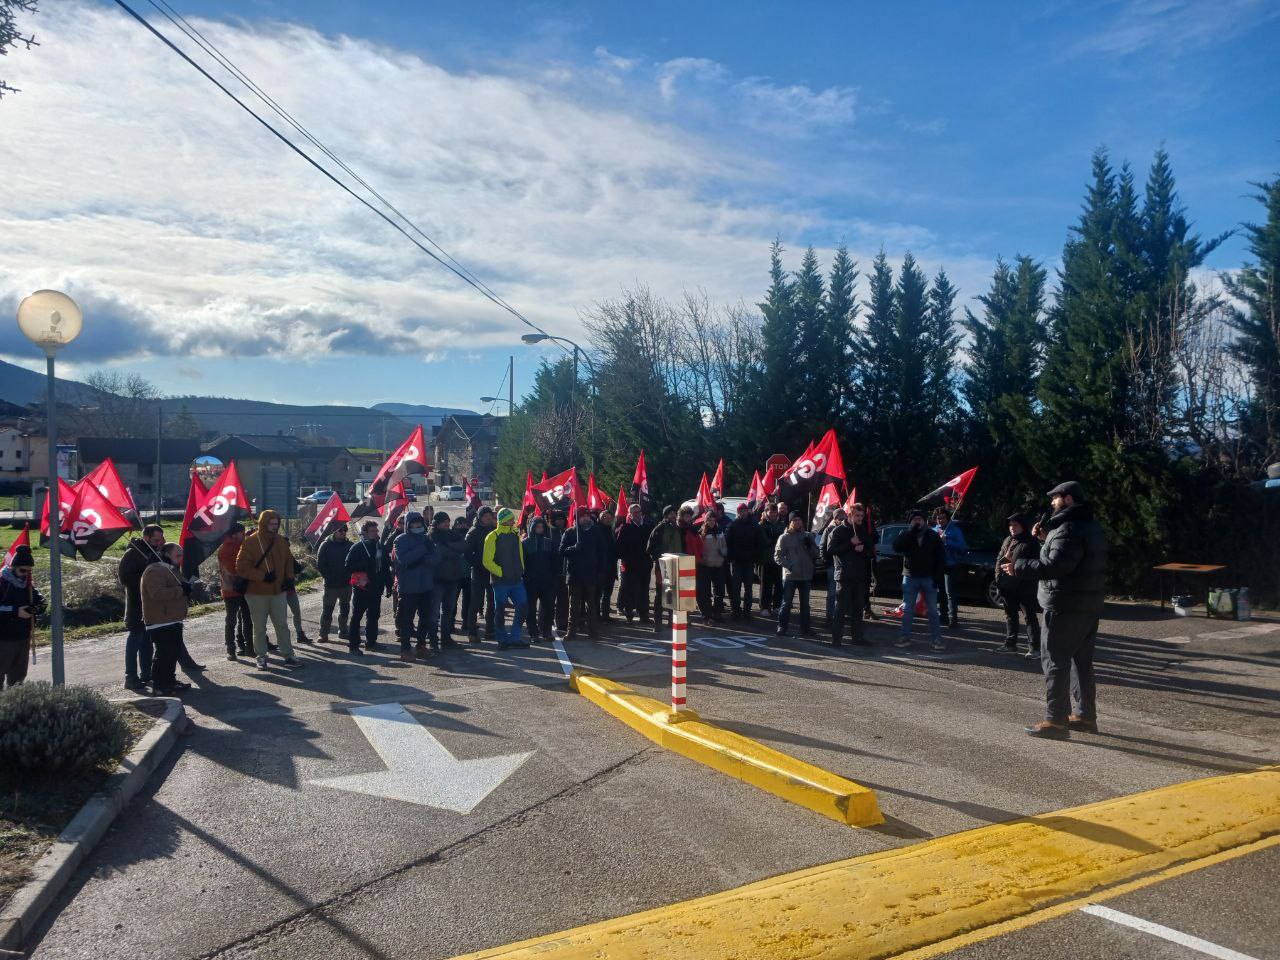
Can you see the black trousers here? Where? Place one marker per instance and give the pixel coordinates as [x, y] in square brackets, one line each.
[237, 630]
[633, 594]
[416, 607]
[366, 605]
[866, 593]
[481, 597]
[1014, 601]
[709, 582]
[1067, 659]
[850, 595]
[14, 657]
[656, 576]
[445, 598]
[583, 606]
[562, 604]
[541, 612]
[167, 641]
[341, 598]
[605, 595]
[770, 587]
[742, 575]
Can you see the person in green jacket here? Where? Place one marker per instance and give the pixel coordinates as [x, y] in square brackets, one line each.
[503, 557]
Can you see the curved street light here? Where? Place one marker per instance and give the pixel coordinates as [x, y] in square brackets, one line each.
[535, 338]
[51, 320]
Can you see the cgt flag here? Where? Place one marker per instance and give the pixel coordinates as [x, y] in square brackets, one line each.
[66, 499]
[395, 503]
[820, 464]
[473, 498]
[410, 458]
[195, 497]
[225, 503]
[21, 540]
[705, 501]
[640, 486]
[950, 494]
[93, 524]
[107, 479]
[332, 515]
[717, 482]
[829, 500]
[558, 493]
[528, 506]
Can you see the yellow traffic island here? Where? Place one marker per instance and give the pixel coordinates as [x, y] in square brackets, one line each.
[685, 733]
[934, 897]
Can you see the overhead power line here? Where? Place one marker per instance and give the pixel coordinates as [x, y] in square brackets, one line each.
[443, 258]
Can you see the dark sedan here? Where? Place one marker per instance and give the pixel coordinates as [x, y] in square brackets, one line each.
[976, 579]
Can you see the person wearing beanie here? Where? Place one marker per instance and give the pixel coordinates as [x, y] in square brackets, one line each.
[267, 563]
[665, 538]
[585, 554]
[1018, 595]
[331, 563]
[415, 560]
[20, 604]
[632, 543]
[237, 626]
[540, 563]
[797, 554]
[481, 580]
[451, 546]
[503, 558]
[772, 527]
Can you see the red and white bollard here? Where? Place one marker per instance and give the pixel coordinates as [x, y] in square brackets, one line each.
[679, 658]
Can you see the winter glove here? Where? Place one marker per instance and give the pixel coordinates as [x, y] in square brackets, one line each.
[186, 589]
[269, 577]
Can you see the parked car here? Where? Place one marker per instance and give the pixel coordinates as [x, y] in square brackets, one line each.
[730, 505]
[320, 496]
[976, 579]
[454, 492]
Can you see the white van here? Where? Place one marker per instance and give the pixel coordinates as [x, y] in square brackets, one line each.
[453, 493]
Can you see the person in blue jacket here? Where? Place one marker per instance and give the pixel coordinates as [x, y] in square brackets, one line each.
[416, 558]
[954, 549]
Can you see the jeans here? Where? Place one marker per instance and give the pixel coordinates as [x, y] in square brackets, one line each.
[416, 606]
[541, 611]
[519, 600]
[850, 594]
[709, 582]
[947, 599]
[1069, 641]
[912, 587]
[444, 597]
[366, 605]
[237, 626]
[165, 640]
[789, 588]
[831, 593]
[742, 573]
[341, 598]
[273, 606]
[138, 651]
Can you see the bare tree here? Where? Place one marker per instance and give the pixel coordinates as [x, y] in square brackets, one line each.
[123, 405]
[9, 35]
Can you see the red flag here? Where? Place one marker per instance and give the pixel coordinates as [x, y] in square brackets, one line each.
[769, 482]
[528, 506]
[717, 482]
[829, 499]
[21, 540]
[558, 492]
[195, 498]
[950, 494]
[821, 463]
[93, 523]
[410, 458]
[107, 479]
[851, 499]
[66, 498]
[623, 507]
[705, 501]
[595, 499]
[393, 504]
[544, 477]
[640, 486]
[224, 504]
[329, 516]
[573, 512]
[473, 498]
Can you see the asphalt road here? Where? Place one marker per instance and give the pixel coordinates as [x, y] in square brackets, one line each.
[235, 849]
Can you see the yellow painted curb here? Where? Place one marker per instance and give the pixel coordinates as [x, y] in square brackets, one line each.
[738, 756]
[888, 903]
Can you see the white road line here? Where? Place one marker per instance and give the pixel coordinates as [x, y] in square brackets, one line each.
[1166, 933]
[565, 663]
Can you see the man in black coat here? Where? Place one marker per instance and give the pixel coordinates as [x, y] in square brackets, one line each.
[541, 562]
[771, 528]
[368, 571]
[1018, 595]
[481, 581]
[744, 540]
[849, 552]
[1072, 571]
[331, 564]
[140, 554]
[632, 545]
[923, 567]
[585, 554]
[20, 604]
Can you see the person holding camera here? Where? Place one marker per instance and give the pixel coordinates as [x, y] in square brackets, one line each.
[266, 563]
[20, 604]
[165, 594]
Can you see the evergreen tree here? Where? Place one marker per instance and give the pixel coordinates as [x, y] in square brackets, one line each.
[1257, 346]
[941, 342]
[775, 408]
[834, 378]
[811, 353]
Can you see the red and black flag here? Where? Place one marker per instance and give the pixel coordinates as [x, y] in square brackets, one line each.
[410, 458]
[640, 486]
[21, 540]
[394, 503]
[66, 499]
[224, 504]
[528, 506]
[820, 465]
[717, 482]
[107, 479]
[705, 501]
[950, 494]
[828, 501]
[473, 498]
[556, 494]
[756, 496]
[195, 498]
[93, 524]
[329, 517]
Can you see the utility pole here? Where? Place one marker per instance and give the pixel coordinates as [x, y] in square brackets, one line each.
[511, 385]
[159, 458]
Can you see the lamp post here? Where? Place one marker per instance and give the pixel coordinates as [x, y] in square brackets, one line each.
[533, 338]
[51, 320]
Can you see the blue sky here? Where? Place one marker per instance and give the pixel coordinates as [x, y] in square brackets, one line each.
[567, 151]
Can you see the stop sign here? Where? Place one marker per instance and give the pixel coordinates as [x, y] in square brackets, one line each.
[778, 462]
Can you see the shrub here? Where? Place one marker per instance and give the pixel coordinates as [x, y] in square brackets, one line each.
[46, 729]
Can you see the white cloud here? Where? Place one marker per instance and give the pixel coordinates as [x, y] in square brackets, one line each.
[1172, 26]
[697, 68]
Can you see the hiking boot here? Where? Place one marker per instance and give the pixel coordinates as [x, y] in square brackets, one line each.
[303, 638]
[262, 663]
[231, 655]
[1049, 731]
[292, 662]
[1075, 722]
[133, 683]
[1033, 653]
[1010, 646]
[406, 656]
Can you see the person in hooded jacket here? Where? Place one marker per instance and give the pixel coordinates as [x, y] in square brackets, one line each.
[387, 541]
[585, 554]
[237, 627]
[331, 562]
[633, 555]
[609, 572]
[368, 571]
[20, 604]
[504, 560]
[711, 559]
[796, 553]
[462, 525]
[415, 559]
[954, 550]
[141, 553]
[452, 547]
[540, 564]
[481, 580]
[1072, 573]
[557, 521]
[1015, 594]
[165, 594]
[267, 563]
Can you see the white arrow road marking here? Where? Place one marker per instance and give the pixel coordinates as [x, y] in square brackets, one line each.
[419, 769]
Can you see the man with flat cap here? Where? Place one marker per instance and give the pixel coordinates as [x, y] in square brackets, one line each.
[1071, 569]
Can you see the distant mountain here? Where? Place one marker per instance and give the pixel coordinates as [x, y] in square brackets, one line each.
[21, 386]
[419, 413]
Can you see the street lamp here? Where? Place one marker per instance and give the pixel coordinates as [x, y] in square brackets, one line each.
[51, 320]
[534, 338]
[495, 400]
